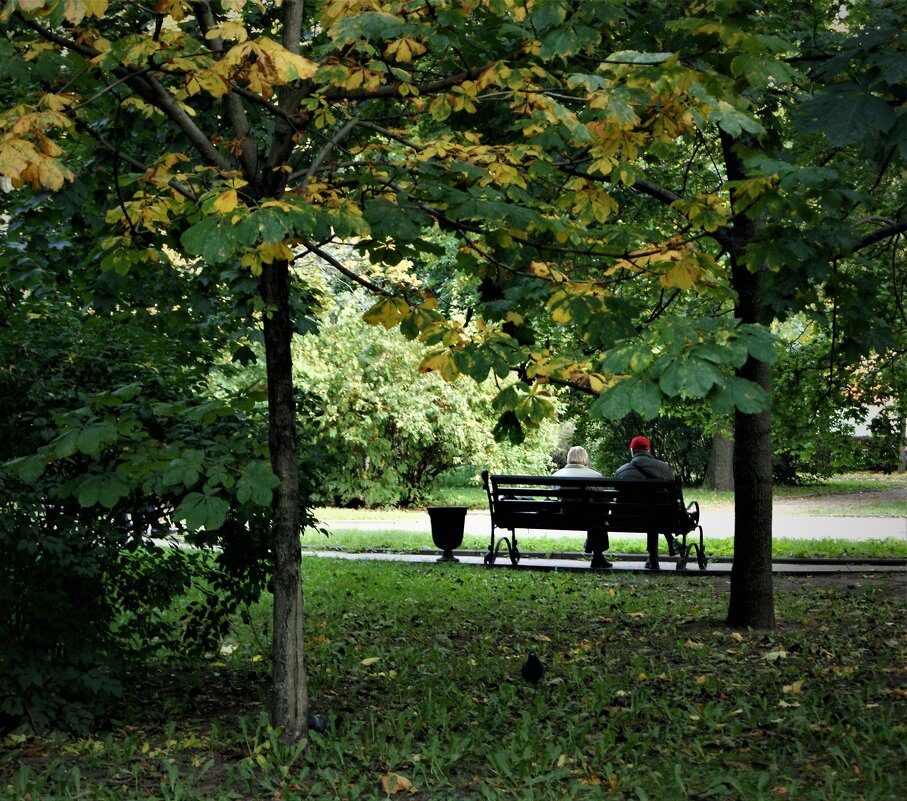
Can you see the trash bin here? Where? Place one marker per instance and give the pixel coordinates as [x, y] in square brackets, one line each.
[447, 525]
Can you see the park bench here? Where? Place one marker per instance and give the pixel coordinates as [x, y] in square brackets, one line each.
[597, 506]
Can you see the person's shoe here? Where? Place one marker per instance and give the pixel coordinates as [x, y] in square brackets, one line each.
[652, 563]
[674, 547]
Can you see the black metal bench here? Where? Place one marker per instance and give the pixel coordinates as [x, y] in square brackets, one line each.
[597, 506]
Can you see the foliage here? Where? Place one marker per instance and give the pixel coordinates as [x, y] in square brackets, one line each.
[676, 441]
[637, 669]
[386, 431]
[110, 436]
[819, 406]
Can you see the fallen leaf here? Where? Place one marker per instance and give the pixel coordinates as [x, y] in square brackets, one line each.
[370, 661]
[795, 688]
[737, 636]
[395, 783]
[774, 656]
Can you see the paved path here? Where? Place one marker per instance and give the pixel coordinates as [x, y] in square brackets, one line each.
[633, 563]
[715, 523]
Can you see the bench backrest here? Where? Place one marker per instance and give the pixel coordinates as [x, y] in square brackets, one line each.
[585, 503]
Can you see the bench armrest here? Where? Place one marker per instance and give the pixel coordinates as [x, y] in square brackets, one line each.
[693, 511]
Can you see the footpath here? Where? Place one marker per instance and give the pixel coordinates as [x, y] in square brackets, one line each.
[716, 523]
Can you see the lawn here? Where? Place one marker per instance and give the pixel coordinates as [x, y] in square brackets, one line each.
[647, 695]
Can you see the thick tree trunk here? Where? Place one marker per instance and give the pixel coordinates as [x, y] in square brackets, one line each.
[752, 596]
[752, 601]
[290, 691]
[719, 474]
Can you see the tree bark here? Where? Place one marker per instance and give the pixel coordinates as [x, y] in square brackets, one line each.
[752, 602]
[719, 474]
[290, 700]
[752, 593]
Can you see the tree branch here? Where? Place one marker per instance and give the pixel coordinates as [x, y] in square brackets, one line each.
[883, 233]
[146, 87]
[237, 114]
[177, 186]
[325, 256]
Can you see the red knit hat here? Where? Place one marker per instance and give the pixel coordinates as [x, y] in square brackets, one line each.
[639, 444]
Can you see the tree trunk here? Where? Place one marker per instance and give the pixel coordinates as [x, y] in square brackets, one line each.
[290, 700]
[719, 474]
[752, 601]
[902, 445]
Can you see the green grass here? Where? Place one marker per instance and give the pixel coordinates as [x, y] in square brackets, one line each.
[647, 695]
[407, 541]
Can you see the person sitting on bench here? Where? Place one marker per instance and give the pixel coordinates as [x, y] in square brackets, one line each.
[641, 467]
[578, 467]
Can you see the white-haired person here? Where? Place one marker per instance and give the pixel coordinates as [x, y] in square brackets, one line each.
[578, 467]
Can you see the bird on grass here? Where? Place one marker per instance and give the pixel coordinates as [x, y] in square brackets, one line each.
[533, 668]
[317, 724]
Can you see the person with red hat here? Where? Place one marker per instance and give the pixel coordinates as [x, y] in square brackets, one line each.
[641, 467]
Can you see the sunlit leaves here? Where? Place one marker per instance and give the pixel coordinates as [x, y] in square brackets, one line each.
[263, 64]
[27, 154]
[405, 50]
[387, 311]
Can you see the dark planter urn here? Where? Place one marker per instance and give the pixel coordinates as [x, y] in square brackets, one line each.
[447, 524]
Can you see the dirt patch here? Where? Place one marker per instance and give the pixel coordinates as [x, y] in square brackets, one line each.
[892, 584]
[846, 500]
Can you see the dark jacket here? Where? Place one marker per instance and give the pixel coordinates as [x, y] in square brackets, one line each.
[644, 466]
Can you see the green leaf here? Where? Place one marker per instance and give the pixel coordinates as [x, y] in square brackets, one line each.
[214, 239]
[256, 483]
[633, 395]
[185, 469]
[846, 114]
[694, 377]
[28, 468]
[738, 393]
[636, 57]
[760, 342]
[95, 435]
[508, 428]
[532, 410]
[106, 489]
[202, 511]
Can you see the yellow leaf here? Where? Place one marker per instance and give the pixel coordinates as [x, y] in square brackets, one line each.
[393, 783]
[404, 50]
[774, 656]
[682, 275]
[226, 202]
[794, 689]
[387, 311]
[737, 636]
[372, 660]
[229, 30]
[172, 7]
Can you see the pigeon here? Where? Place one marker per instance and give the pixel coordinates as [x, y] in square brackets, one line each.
[533, 669]
[317, 724]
